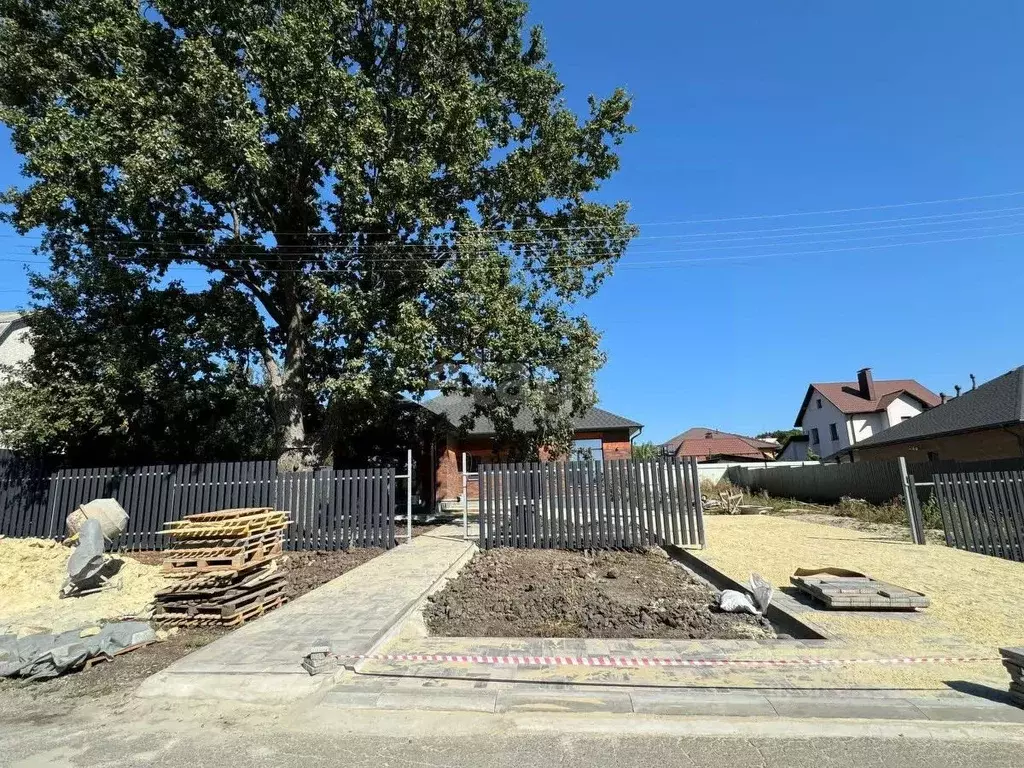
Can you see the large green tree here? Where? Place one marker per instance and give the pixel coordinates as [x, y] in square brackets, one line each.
[395, 188]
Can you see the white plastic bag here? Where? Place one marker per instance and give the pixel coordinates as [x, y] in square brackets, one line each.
[732, 601]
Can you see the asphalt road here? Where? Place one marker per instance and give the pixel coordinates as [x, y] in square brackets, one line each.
[241, 736]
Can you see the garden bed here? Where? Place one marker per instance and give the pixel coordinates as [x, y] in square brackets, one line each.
[551, 593]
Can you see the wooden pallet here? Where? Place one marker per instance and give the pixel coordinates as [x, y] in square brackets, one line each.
[219, 583]
[92, 661]
[225, 545]
[228, 529]
[225, 607]
[233, 621]
[227, 514]
[210, 560]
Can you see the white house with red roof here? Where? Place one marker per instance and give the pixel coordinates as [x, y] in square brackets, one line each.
[840, 414]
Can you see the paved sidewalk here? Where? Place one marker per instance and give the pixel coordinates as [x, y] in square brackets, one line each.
[261, 661]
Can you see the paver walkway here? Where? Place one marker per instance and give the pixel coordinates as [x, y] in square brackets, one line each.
[261, 661]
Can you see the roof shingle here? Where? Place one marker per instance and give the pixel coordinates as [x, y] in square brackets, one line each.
[455, 407]
[703, 442]
[999, 402]
[847, 397]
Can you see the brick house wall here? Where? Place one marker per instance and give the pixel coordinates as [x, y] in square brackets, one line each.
[615, 444]
[981, 445]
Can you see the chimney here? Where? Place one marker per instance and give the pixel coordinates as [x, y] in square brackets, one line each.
[942, 396]
[974, 382]
[867, 383]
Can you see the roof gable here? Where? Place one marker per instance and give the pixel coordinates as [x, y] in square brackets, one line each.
[702, 441]
[998, 402]
[847, 397]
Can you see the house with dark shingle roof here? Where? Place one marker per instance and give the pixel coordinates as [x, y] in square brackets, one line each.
[978, 425]
[597, 434]
[841, 414]
[710, 445]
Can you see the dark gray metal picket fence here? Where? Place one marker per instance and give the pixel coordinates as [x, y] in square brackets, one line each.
[983, 511]
[614, 504]
[331, 509]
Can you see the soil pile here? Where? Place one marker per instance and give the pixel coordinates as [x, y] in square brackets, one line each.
[546, 593]
[32, 572]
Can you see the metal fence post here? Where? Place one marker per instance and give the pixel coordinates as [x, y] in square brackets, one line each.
[910, 499]
[465, 495]
[408, 494]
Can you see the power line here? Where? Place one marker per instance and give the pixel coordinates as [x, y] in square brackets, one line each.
[626, 225]
[632, 264]
[388, 256]
[789, 232]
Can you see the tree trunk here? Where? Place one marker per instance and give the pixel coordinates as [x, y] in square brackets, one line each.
[290, 396]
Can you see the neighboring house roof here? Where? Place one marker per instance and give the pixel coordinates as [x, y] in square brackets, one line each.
[456, 407]
[704, 442]
[996, 403]
[10, 321]
[848, 398]
[794, 439]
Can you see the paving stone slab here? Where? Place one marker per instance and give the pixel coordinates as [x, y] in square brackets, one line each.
[439, 700]
[858, 592]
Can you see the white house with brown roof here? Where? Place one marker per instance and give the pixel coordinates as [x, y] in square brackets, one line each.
[14, 342]
[840, 414]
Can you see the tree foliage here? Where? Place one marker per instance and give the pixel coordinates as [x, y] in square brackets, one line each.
[388, 196]
[780, 434]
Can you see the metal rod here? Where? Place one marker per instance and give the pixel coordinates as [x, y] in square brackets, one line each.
[465, 495]
[408, 495]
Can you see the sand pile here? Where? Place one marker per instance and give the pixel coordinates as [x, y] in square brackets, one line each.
[31, 574]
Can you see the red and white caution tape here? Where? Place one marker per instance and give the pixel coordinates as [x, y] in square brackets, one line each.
[648, 661]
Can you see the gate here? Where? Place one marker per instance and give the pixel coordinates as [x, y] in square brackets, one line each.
[983, 511]
[613, 504]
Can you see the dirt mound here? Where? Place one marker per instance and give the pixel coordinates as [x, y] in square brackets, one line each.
[545, 593]
[32, 572]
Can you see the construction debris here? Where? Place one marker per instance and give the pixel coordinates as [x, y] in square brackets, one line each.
[42, 656]
[228, 564]
[1013, 660]
[320, 659]
[840, 588]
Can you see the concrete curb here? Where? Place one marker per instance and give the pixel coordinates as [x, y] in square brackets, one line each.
[777, 704]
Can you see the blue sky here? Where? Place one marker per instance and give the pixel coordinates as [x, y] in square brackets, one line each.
[753, 109]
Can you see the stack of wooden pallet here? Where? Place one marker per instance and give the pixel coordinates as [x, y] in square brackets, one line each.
[228, 564]
[1013, 660]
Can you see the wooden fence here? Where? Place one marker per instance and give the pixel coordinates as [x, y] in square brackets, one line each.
[614, 504]
[331, 509]
[983, 511]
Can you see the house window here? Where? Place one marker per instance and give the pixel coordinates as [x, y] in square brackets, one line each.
[933, 456]
[586, 450]
[819, 402]
[814, 435]
[833, 431]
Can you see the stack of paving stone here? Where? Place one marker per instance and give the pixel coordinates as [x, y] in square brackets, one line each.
[857, 591]
[1013, 660]
[228, 561]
